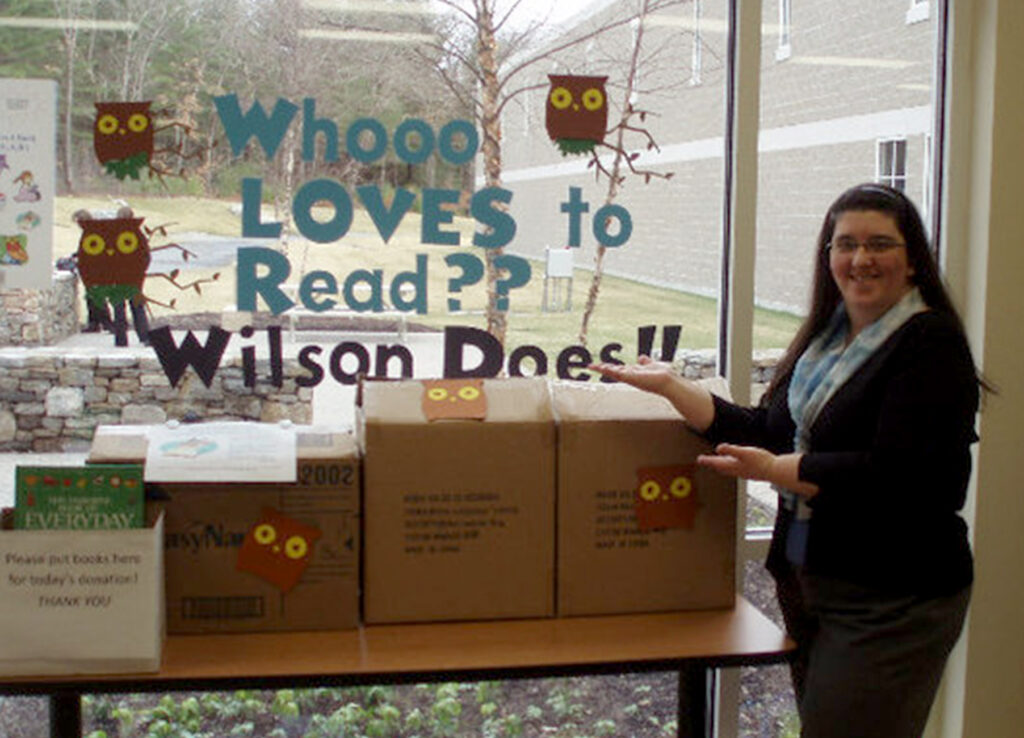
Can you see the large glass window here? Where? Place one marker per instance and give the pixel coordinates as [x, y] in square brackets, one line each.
[319, 142]
[641, 214]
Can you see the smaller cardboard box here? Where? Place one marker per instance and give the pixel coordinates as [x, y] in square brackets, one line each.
[250, 556]
[641, 528]
[81, 601]
[458, 500]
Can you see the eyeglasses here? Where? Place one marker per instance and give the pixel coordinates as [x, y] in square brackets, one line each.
[873, 245]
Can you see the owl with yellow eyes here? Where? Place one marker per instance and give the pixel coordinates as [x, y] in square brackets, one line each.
[454, 399]
[666, 497]
[123, 137]
[577, 112]
[113, 256]
[277, 549]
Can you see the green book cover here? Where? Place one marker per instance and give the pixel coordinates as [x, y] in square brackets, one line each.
[96, 496]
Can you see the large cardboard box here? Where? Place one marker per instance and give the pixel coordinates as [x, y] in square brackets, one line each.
[248, 556]
[81, 601]
[614, 441]
[458, 510]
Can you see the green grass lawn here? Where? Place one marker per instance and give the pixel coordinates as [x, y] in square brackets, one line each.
[622, 306]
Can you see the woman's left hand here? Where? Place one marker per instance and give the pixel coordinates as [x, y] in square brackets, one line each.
[747, 462]
[752, 462]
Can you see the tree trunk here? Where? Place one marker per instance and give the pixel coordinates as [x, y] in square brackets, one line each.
[497, 320]
[616, 170]
[67, 160]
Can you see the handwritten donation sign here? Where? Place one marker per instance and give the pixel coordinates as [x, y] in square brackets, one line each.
[81, 602]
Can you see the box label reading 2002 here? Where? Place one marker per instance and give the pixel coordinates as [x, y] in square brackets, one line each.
[445, 522]
[326, 475]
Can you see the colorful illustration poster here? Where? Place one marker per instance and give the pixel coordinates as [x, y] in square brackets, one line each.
[28, 108]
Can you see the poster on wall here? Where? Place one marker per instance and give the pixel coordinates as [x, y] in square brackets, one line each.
[28, 108]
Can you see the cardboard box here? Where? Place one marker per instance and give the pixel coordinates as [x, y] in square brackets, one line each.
[610, 439]
[81, 601]
[251, 556]
[459, 510]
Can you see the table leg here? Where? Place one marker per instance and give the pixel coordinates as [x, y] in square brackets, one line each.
[696, 702]
[65, 715]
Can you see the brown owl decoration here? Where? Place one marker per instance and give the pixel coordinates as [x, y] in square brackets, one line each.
[454, 399]
[577, 112]
[125, 141]
[112, 258]
[666, 497]
[277, 549]
[123, 137]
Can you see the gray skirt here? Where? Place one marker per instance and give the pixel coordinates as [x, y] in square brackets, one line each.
[868, 663]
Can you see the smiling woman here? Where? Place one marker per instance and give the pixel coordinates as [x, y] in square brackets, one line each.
[865, 433]
[868, 261]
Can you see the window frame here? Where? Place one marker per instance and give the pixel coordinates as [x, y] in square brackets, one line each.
[697, 53]
[919, 10]
[893, 178]
[785, 47]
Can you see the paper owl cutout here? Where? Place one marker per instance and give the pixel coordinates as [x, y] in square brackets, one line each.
[666, 497]
[122, 137]
[13, 249]
[113, 256]
[577, 112]
[125, 139]
[454, 399]
[277, 549]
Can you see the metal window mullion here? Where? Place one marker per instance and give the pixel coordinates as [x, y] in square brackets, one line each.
[739, 236]
[736, 306]
[940, 89]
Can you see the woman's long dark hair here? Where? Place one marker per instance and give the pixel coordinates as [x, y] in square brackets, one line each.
[825, 295]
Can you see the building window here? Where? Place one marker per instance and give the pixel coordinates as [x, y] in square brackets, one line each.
[927, 183]
[784, 50]
[918, 11]
[697, 59]
[891, 163]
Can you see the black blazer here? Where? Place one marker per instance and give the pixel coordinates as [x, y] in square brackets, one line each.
[890, 452]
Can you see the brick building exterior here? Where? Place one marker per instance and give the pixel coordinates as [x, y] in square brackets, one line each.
[839, 93]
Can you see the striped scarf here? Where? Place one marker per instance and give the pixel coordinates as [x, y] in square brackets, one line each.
[821, 370]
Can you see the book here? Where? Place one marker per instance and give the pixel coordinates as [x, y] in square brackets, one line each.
[94, 496]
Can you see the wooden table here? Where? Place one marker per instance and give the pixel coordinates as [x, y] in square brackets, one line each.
[694, 643]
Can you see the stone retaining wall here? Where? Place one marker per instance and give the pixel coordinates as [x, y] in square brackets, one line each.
[703, 363]
[40, 317]
[51, 401]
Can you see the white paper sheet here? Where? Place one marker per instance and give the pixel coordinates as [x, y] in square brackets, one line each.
[221, 452]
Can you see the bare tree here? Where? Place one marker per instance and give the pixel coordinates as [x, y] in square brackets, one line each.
[484, 60]
[72, 13]
[622, 159]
